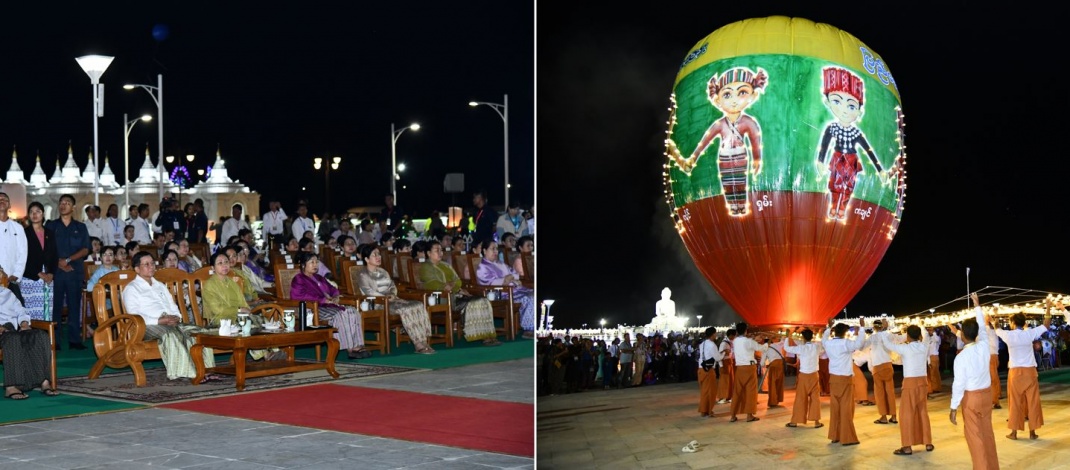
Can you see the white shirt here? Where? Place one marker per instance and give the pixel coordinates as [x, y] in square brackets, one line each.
[13, 249]
[142, 231]
[934, 345]
[1020, 345]
[338, 233]
[709, 350]
[273, 222]
[113, 231]
[807, 353]
[971, 365]
[149, 301]
[230, 229]
[915, 354]
[152, 226]
[879, 353]
[775, 353]
[860, 357]
[744, 349]
[96, 228]
[839, 352]
[302, 225]
[993, 342]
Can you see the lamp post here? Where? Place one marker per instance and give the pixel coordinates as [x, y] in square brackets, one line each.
[546, 316]
[156, 92]
[94, 66]
[317, 163]
[394, 177]
[503, 110]
[127, 127]
[699, 320]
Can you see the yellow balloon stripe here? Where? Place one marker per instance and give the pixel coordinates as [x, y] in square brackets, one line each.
[785, 35]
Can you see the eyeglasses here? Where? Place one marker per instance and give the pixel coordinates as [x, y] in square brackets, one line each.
[147, 265]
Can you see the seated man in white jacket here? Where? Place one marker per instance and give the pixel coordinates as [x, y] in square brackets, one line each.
[150, 299]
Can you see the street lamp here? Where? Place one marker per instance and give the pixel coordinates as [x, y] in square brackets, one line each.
[546, 316]
[394, 177]
[317, 163]
[699, 320]
[94, 66]
[156, 92]
[503, 110]
[127, 127]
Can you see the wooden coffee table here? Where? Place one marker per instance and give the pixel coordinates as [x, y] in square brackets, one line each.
[240, 345]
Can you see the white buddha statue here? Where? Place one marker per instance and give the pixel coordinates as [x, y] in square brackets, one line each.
[665, 313]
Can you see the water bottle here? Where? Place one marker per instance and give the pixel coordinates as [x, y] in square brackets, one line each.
[302, 314]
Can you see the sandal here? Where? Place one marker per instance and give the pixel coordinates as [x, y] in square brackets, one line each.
[17, 396]
[929, 448]
[755, 418]
[691, 447]
[734, 419]
[493, 342]
[903, 451]
[880, 422]
[819, 425]
[49, 392]
[893, 421]
[791, 425]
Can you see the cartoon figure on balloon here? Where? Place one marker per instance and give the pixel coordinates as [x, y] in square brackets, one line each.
[731, 92]
[844, 95]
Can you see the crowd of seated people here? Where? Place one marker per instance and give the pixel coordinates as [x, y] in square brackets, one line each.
[173, 239]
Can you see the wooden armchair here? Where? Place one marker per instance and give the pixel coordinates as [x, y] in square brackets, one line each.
[505, 307]
[529, 268]
[390, 263]
[373, 320]
[118, 339]
[184, 291]
[393, 321]
[445, 323]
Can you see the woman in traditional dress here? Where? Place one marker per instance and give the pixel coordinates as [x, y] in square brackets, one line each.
[187, 261]
[27, 351]
[107, 265]
[223, 299]
[170, 259]
[374, 280]
[309, 286]
[526, 245]
[41, 265]
[122, 258]
[478, 317]
[492, 272]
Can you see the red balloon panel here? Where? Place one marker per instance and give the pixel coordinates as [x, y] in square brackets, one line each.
[784, 263]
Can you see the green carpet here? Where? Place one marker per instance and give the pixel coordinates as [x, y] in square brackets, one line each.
[462, 354]
[1055, 376]
[39, 407]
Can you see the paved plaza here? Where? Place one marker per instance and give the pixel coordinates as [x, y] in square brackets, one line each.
[647, 427]
[164, 438]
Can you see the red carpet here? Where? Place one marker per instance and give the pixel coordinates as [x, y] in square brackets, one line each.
[470, 423]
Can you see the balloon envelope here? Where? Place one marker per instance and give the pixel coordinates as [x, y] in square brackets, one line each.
[786, 166]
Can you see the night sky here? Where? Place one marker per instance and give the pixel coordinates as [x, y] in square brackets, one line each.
[276, 85]
[984, 100]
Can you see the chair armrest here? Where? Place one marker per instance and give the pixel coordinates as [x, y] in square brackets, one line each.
[46, 326]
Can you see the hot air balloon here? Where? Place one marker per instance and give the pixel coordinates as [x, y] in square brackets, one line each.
[785, 166]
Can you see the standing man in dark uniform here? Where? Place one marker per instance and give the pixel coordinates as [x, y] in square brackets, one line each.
[170, 218]
[390, 216]
[72, 246]
[485, 218]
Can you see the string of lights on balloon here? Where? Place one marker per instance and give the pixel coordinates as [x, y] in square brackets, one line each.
[670, 199]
